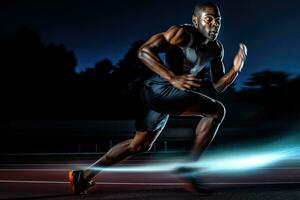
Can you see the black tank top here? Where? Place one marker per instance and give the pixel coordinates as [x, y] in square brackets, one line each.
[188, 60]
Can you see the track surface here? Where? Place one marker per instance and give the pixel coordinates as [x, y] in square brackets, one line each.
[47, 179]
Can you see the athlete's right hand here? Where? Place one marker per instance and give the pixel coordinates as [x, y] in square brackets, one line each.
[185, 82]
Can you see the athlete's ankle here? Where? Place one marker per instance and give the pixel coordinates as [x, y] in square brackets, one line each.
[88, 175]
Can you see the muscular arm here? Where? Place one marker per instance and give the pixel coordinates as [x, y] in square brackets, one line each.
[148, 53]
[222, 80]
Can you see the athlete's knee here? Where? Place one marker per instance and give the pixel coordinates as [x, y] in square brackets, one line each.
[146, 147]
[220, 112]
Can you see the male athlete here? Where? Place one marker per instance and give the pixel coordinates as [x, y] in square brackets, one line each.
[172, 91]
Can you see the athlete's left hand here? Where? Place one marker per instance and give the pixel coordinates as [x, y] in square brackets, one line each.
[240, 58]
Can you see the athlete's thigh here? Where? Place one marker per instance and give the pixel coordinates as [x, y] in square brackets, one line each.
[177, 102]
[149, 125]
[202, 105]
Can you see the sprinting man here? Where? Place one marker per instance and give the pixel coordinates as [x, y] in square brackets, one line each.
[172, 90]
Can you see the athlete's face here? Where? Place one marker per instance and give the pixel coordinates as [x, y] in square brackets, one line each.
[208, 22]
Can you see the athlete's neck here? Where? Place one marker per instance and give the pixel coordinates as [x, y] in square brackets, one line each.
[203, 40]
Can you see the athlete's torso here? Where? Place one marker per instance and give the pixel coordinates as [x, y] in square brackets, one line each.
[191, 59]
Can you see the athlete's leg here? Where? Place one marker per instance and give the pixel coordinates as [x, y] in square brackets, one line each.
[142, 141]
[213, 113]
[191, 103]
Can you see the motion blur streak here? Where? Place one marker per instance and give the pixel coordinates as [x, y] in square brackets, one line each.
[219, 163]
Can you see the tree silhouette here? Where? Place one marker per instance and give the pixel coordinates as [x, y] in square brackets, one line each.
[59, 62]
[36, 76]
[273, 90]
[267, 79]
[131, 72]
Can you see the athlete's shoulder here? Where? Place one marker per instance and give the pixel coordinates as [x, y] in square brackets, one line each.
[185, 27]
[178, 35]
[188, 27]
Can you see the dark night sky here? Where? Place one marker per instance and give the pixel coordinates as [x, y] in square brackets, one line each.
[105, 29]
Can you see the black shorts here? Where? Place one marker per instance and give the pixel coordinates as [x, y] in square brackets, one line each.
[161, 100]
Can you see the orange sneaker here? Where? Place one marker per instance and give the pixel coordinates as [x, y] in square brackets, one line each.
[78, 184]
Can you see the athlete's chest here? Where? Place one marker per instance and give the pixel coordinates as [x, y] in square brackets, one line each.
[194, 60]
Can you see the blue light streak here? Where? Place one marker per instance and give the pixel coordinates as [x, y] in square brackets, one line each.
[219, 163]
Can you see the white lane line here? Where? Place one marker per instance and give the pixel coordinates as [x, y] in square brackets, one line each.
[78, 164]
[7, 164]
[39, 182]
[84, 163]
[67, 169]
[157, 184]
[64, 170]
[98, 183]
[33, 170]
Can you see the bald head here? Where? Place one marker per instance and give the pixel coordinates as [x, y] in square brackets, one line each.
[207, 20]
[202, 6]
